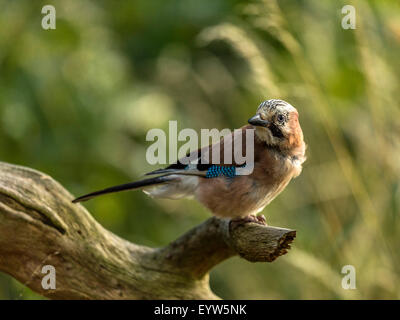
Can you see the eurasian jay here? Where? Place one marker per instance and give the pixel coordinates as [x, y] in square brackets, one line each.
[279, 152]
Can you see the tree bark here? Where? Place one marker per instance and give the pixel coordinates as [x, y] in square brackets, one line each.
[40, 226]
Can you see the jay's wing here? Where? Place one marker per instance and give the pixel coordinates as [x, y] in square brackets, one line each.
[211, 161]
[174, 180]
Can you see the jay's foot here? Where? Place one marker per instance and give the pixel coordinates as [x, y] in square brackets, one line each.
[250, 218]
[261, 219]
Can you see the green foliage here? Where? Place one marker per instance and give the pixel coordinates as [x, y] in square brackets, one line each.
[77, 102]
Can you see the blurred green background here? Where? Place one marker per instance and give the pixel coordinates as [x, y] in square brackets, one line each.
[77, 102]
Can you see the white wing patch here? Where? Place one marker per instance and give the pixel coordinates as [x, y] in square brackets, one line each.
[183, 186]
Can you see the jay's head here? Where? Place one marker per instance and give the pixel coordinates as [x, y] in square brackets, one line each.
[277, 123]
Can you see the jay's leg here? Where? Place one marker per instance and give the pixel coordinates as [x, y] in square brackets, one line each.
[260, 219]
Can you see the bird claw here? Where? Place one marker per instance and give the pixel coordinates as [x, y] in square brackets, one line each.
[260, 219]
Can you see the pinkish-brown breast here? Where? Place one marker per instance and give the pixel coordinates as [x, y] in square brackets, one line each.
[244, 195]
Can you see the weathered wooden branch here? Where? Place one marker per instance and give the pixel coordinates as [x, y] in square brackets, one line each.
[40, 226]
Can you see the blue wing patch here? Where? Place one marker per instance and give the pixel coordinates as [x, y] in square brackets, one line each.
[215, 171]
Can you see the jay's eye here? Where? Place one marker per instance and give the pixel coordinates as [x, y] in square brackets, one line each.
[280, 118]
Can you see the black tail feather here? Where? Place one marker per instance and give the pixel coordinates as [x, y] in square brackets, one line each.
[123, 187]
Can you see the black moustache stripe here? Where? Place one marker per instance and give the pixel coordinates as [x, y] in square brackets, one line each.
[276, 132]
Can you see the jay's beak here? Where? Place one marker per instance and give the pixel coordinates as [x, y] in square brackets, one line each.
[257, 121]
